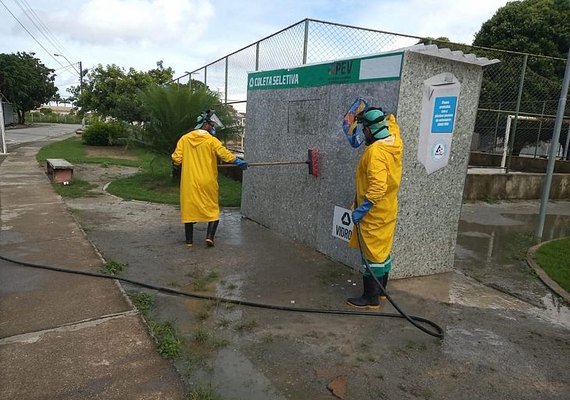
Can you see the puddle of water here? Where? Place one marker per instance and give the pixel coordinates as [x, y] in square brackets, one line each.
[233, 229]
[468, 292]
[500, 246]
[500, 243]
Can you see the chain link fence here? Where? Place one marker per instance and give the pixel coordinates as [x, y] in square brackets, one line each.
[518, 105]
[519, 95]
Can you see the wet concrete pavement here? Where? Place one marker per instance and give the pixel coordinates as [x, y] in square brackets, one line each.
[506, 336]
[65, 336]
[492, 244]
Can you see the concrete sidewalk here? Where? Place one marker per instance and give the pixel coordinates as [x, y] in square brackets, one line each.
[65, 336]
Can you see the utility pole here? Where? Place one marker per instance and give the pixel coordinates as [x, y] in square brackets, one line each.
[80, 73]
[3, 148]
[81, 92]
[553, 151]
[80, 78]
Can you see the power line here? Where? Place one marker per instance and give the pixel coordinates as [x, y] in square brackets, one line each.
[38, 27]
[66, 69]
[61, 46]
[29, 33]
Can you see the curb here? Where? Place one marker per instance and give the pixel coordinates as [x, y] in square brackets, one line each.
[551, 284]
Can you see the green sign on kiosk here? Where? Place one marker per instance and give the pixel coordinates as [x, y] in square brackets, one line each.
[368, 69]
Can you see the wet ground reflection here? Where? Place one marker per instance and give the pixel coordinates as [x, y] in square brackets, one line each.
[493, 250]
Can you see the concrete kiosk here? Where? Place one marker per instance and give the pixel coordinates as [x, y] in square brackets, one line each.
[433, 93]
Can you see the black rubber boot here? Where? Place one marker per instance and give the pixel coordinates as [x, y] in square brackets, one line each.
[211, 232]
[384, 282]
[189, 232]
[369, 298]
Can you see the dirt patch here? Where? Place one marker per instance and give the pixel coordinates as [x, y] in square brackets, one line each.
[101, 176]
[110, 152]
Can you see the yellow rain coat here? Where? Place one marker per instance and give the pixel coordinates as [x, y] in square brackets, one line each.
[198, 152]
[378, 178]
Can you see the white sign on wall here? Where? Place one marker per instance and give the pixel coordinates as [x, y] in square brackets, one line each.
[439, 113]
[342, 223]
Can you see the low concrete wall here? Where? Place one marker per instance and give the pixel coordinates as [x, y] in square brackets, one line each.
[514, 186]
[522, 164]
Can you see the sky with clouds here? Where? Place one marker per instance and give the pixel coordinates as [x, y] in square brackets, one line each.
[187, 34]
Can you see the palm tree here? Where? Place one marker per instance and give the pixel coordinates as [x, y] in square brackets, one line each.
[172, 111]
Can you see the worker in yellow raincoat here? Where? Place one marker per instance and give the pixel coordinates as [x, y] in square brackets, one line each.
[197, 153]
[378, 177]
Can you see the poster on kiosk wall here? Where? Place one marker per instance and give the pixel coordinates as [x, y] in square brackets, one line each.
[439, 111]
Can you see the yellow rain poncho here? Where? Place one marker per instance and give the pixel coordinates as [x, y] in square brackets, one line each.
[378, 178]
[198, 152]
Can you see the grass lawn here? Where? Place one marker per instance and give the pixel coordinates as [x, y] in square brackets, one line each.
[79, 188]
[74, 151]
[154, 183]
[554, 259]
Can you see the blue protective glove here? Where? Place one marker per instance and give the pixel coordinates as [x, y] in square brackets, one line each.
[240, 163]
[359, 212]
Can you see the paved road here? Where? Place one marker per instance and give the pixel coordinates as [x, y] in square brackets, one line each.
[15, 137]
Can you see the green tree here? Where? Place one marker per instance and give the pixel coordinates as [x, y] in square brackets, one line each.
[161, 75]
[25, 82]
[530, 26]
[113, 92]
[196, 84]
[172, 111]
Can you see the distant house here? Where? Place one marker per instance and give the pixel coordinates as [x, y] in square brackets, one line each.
[63, 109]
[57, 107]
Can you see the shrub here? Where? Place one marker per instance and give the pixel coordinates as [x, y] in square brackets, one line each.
[102, 133]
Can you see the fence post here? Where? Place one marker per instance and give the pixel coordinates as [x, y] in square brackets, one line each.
[226, 82]
[539, 129]
[306, 41]
[565, 155]
[257, 56]
[496, 128]
[518, 107]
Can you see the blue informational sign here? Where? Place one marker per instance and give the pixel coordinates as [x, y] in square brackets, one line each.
[443, 114]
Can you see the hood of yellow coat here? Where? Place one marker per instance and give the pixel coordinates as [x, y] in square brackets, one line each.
[393, 143]
[197, 137]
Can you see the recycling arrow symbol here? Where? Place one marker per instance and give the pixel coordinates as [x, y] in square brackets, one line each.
[345, 219]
